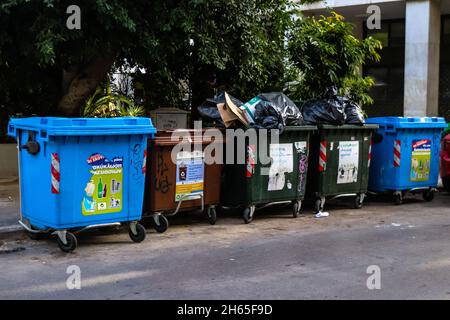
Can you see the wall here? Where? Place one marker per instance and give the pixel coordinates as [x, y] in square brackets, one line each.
[8, 161]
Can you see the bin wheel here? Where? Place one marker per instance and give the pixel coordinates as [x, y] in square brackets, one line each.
[296, 206]
[428, 195]
[140, 233]
[212, 215]
[247, 215]
[358, 202]
[160, 223]
[398, 198]
[71, 244]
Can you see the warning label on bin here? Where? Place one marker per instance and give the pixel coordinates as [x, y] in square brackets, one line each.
[348, 162]
[103, 192]
[420, 160]
[189, 175]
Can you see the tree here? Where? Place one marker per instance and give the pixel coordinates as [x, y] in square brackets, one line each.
[234, 45]
[324, 52]
[181, 44]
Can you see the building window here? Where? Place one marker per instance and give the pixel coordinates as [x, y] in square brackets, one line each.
[388, 73]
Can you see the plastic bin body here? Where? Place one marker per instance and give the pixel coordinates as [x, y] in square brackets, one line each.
[245, 184]
[162, 193]
[405, 153]
[60, 185]
[339, 160]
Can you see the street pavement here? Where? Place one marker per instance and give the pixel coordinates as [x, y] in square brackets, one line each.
[274, 257]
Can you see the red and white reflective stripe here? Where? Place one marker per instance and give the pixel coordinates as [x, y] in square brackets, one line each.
[370, 154]
[397, 152]
[251, 152]
[144, 164]
[323, 156]
[55, 173]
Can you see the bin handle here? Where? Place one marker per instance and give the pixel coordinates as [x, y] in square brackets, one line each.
[389, 128]
[32, 146]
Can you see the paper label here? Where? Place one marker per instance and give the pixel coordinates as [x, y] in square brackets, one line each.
[189, 175]
[282, 162]
[348, 162]
[420, 160]
[103, 192]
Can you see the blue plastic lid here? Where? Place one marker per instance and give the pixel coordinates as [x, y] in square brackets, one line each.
[409, 122]
[54, 126]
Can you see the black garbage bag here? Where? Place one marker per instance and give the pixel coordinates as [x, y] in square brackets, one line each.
[208, 109]
[354, 113]
[285, 107]
[327, 109]
[272, 110]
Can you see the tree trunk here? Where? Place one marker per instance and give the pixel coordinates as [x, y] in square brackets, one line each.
[79, 83]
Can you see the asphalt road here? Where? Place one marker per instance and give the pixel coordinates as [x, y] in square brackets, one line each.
[275, 257]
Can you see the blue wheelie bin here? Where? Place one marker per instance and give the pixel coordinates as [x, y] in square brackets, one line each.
[405, 156]
[81, 173]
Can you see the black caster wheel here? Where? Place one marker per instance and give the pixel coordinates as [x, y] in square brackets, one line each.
[398, 198]
[358, 202]
[70, 245]
[161, 224]
[247, 215]
[296, 206]
[140, 233]
[212, 215]
[428, 195]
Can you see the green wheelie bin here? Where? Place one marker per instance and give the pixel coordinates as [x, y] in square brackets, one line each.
[339, 163]
[255, 183]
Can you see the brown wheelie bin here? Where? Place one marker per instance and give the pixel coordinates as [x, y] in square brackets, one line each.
[183, 182]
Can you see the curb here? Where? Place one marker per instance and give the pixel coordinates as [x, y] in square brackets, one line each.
[11, 232]
[8, 181]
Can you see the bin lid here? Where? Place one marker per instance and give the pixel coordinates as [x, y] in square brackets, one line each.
[300, 128]
[409, 122]
[55, 126]
[365, 126]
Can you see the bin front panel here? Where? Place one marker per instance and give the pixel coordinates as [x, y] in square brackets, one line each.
[405, 159]
[280, 177]
[284, 178]
[165, 185]
[79, 181]
[340, 160]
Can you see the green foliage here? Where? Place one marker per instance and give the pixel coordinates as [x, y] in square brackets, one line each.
[187, 50]
[325, 53]
[205, 45]
[106, 104]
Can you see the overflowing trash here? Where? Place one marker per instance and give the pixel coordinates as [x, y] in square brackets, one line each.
[209, 109]
[272, 110]
[275, 110]
[331, 108]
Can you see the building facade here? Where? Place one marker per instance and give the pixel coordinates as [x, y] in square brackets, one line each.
[413, 76]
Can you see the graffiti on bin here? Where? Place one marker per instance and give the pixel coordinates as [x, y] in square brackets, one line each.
[303, 166]
[302, 150]
[162, 183]
[136, 162]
